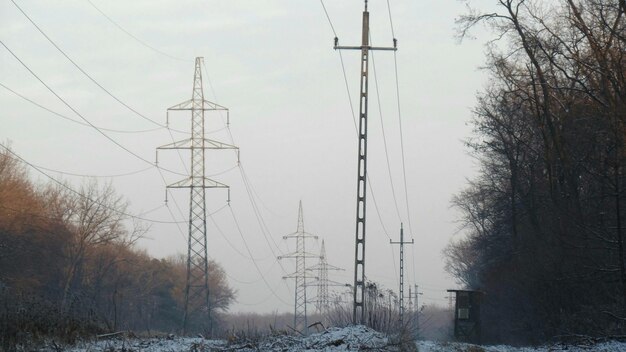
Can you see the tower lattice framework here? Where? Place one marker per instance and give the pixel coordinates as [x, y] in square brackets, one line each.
[300, 275]
[197, 298]
[322, 301]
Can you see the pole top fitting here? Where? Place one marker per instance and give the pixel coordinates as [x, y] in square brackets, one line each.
[365, 5]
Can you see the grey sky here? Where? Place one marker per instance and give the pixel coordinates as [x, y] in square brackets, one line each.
[272, 64]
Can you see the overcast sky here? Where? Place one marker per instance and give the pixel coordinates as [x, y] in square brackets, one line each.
[272, 64]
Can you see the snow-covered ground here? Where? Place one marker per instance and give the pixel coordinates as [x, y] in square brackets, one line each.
[429, 346]
[353, 338]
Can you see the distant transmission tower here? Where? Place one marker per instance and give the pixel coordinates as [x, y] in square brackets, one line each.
[358, 312]
[322, 301]
[197, 302]
[300, 314]
[402, 243]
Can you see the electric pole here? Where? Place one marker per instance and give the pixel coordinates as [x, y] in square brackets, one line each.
[300, 314]
[197, 302]
[358, 312]
[402, 243]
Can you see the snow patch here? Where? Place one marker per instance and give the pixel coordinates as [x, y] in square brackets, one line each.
[351, 338]
[430, 346]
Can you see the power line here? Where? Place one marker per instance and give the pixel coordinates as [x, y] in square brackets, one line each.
[84, 72]
[180, 231]
[361, 194]
[232, 141]
[17, 157]
[395, 61]
[255, 208]
[369, 183]
[249, 191]
[90, 124]
[328, 17]
[95, 82]
[382, 126]
[104, 129]
[85, 124]
[393, 34]
[345, 78]
[80, 115]
[242, 281]
[219, 230]
[253, 261]
[406, 190]
[151, 210]
[59, 218]
[95, 176]
[258, 302]
[262, 225]
[256, 194]
[71, 119]
[250, 282]
[135, 37]
[110, 94]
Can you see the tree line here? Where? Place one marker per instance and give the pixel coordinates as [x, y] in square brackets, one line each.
[544, 218]
[70, 266]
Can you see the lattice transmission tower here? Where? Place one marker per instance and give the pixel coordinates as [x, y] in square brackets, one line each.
[197, 298]
[300, 275]
[322, 300]
[358, 312]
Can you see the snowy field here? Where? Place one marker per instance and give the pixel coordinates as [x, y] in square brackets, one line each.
[354, 338]
[428, 346]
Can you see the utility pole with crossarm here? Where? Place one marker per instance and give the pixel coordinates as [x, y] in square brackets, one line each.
[358, 312]
[402, 243]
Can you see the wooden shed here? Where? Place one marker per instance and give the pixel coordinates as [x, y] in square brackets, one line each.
[467, 315]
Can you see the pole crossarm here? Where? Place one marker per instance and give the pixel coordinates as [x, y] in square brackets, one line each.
[295, 276]
[188, 144]
[199, 105]
[188, 183]
[327, 266]
[338, 47]
[412, 242]
[298, 254]
[319, 282]
[302, 235]
[193, 144]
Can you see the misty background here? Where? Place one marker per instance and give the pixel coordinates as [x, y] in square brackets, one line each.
[272, 64]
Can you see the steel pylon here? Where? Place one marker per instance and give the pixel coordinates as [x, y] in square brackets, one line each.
[197, 299]
[322, 301]
[300, 277]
